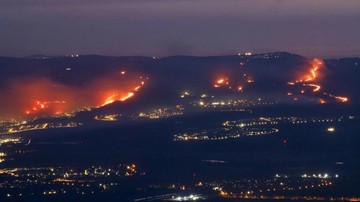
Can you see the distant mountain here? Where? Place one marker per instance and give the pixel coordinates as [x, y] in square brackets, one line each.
[244, 76]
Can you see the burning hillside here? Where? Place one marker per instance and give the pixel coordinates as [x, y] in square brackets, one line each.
[41, 97]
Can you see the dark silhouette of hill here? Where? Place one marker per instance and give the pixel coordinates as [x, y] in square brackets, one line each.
[169, 76]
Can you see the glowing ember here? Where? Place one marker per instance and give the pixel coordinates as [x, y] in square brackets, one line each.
[220, 81]
[339, 98]
[44, 106]
[342, 99]
[236, 85]
[322, 101]
[137, 88]
[316, 87]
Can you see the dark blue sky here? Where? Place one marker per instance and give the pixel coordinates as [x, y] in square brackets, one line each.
[170, 27]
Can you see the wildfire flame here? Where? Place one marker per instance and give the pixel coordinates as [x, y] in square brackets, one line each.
[339, 98]
[342, 99]
[45, 106]
[313, 73]
[310, 78]
[315, 86]
[116, 97]
[120, 94]
[227, 82]
[220, 81]
[41, 97]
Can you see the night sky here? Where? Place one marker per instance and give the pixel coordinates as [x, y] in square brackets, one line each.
[322, 28]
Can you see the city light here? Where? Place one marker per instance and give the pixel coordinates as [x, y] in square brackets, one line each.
[331, 129]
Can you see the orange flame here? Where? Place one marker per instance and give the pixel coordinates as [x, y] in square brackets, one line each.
[220, 81]
[116, 97]
[43, 106]
[39, 96]
[316, 87]
[313, 72]
[342, 99]
[312, 76]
